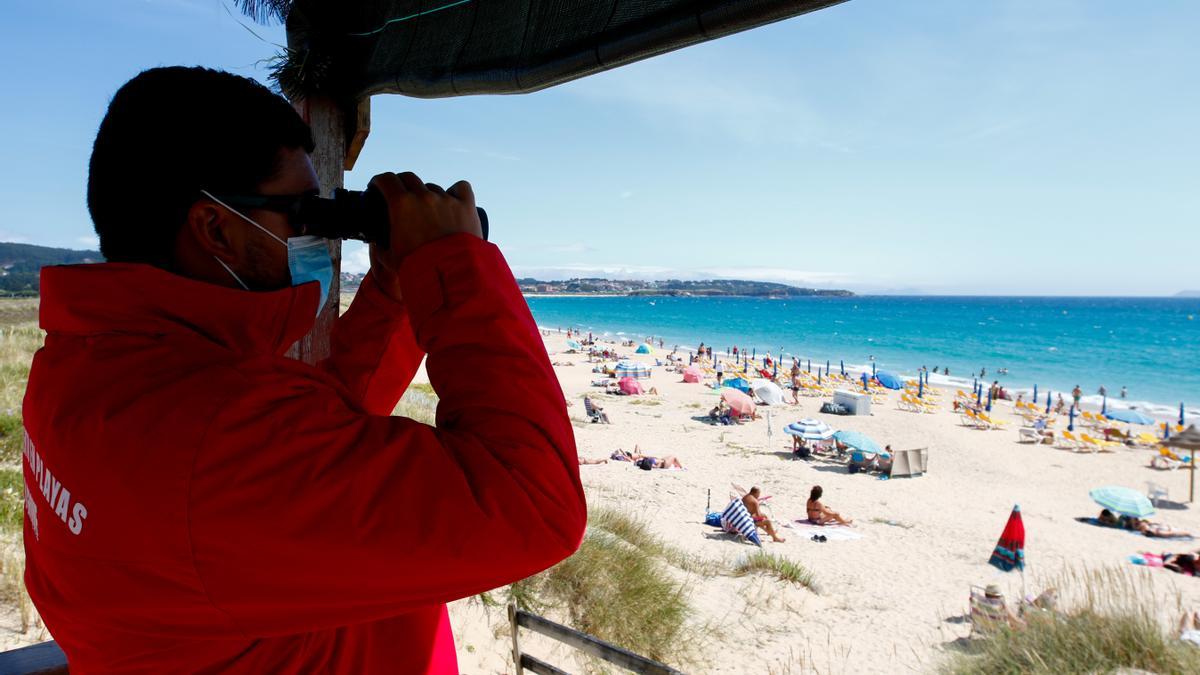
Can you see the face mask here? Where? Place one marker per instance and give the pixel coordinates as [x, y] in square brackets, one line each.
[308, 257]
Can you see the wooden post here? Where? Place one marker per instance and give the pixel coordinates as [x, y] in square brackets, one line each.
[512, 620]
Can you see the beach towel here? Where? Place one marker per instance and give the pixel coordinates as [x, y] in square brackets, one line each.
[806, 528]
[736, 519]
[1097, 523]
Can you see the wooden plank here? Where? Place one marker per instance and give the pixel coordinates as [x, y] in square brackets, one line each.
[44, 658]
[328, 122]
[536, 665]
[594, 646]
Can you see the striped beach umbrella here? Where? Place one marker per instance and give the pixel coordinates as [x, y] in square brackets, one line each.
[1009, 553]
[630, 369]
[809, 429]
[1122, 500]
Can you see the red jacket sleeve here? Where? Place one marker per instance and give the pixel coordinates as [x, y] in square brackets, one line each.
[306, 513]
[373, 352]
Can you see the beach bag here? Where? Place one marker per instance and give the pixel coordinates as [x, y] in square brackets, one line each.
[712, 518]
[834, 409]
[645, 463]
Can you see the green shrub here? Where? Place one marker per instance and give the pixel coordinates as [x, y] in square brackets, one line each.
[12, 437]
[778, 566]
[12, 500]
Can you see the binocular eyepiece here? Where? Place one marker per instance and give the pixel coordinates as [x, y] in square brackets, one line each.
[352, 214]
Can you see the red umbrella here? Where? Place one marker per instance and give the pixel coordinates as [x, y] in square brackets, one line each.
[693, 374]
[629, 385]
[1010, 550]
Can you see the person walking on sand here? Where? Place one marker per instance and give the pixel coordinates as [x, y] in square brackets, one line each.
[751, 502]
[720, 372]
[821, 514]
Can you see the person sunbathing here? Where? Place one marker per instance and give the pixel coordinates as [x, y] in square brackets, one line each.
[760, 520]
[647, 463]
[1148, 528]
[821, 514]
[584, 460]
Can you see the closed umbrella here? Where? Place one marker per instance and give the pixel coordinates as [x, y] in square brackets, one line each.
[920, 388]
[1009, 553]
[810, 370]
[740, 403]
[1130, 416]
[809, 429]
[1181, 422]
[872, 369]
[826, 367]
[1123, 500]
[1035, 393]
[1048, 402]
[864, 381]
[989, 403]
[842, 365]
[889, 379]
[858, 441]
[1071, 419]
[1104, 405]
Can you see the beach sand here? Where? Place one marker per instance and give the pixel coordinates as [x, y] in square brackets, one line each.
[892, 601]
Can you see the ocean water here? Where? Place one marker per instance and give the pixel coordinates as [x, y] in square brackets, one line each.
[1149, 345]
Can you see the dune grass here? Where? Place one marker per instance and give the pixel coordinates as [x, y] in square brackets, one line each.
[617, 587]
[1109, 620]
[777, 566]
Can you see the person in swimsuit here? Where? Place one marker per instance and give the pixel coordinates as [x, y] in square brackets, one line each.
[760, 520]
[821, 514]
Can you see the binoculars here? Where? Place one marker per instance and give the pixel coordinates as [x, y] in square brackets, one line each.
[352, 214]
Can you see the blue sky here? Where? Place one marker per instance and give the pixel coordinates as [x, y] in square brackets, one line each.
[1004, 147]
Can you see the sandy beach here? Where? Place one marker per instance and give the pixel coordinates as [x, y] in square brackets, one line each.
[890, 601]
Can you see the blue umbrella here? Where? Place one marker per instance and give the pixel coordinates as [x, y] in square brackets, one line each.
[920, 388]
[1048, 402]
[571, 344]
[858, 441]
[776, 371]
[738, 383]
[1071, 420]
[864, 381]
[842, 365]
[818, 376]
[1181, 413]
[872, 369]
[754, 353]
[978, 396]
[1123, 500]
[810, 365]
[1130, 416]
[1035, 393]
[809, 429]
[1166, 430]
[989, 403]
[827, 368]
[1104, 405]
[889, 379]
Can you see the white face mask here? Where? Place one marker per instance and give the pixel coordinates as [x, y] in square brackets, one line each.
[308, 257]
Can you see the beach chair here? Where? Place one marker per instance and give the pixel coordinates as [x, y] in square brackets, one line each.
[594, 412]
[971, 419]
[990, 423]
[988, 615]
[1069, 441]
[1029, 434]
[1156, 492]
[1097, 445]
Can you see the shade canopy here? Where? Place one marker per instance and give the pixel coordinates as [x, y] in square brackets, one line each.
[1123, 500]
[740, 403]
[768, 392]
[1130, 416]
[858, 441]
[355, 48]
[889, 379]
[644, 349]
[1188, 439]
[809, 429]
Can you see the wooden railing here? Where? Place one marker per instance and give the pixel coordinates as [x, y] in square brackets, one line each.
[44, 658]
[573, 638]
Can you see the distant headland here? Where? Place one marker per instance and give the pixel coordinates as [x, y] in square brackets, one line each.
[674, 287]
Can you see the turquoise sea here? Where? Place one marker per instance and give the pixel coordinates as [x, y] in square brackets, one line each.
[1149, 345]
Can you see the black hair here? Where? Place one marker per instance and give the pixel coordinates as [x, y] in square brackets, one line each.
[816, 493]
[170, 132]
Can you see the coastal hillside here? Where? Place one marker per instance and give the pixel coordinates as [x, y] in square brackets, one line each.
[20, 265]
[676, 287]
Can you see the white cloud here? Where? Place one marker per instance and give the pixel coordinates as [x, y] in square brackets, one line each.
[356, 258]
[90, 241]
[652, 272]
[13, 237]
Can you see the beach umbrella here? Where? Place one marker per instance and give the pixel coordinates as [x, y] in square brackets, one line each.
[1009, 553]
[1188, 439]
[1048, 402]
[739, 383]
[775, 369]
[1130, 416]
[858, 441]
[740, 403]
[1071, 419]
[768, 392]
[810, 370]
[1104, 405]
[1181, 422]
[989, 403]
[826, 367]
[810, 429]
[630, 386]
[979, 396]
[644, 349]
[920, 388]
[1035, 393]
[573, 345]
[842, 365]
[864, 381]
[872, 369]
[693, 374]
[630, 369]
[818, 376]
[1122, 500]
[889, 379]
[754, 353]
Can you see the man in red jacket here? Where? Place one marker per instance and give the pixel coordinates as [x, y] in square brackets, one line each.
[196, 501]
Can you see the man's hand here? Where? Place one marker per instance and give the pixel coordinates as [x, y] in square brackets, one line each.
[418, 213]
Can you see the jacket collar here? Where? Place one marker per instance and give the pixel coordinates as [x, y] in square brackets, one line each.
[142, 299]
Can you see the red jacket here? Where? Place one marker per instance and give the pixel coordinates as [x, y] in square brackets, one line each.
[197, 501]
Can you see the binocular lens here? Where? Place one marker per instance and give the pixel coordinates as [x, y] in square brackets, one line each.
[353, 214]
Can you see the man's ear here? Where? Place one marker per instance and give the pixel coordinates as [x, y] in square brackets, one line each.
[212, 229]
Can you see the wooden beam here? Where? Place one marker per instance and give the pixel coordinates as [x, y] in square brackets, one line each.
[327, 119]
